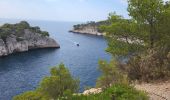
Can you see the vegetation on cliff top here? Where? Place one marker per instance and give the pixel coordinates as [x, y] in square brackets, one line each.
[18, 29]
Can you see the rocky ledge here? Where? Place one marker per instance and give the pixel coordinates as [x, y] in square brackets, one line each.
[21, 37]
[87, 31]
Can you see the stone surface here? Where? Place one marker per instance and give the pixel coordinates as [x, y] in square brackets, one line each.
[27, 41]
[3, 48]
[92, 91]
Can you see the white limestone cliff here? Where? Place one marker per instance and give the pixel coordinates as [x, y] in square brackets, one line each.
[29, 40]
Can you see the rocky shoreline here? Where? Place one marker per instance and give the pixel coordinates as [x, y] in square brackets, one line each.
[26, 41]
[89, 28]
[95, 32]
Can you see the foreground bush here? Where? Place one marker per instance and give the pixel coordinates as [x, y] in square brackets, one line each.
[153, 65]
[30, 95]
[62, 86]
[111, 74]
[53, 87]
[115, 92]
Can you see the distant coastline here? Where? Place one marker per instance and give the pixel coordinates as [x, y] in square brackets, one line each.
[89, 28]
[87, 32]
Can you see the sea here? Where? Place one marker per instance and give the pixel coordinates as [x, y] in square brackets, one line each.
[21, 72]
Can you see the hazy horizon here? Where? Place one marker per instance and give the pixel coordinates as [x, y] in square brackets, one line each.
[62, 10]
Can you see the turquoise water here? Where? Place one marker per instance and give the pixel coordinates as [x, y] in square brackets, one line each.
[21, 72]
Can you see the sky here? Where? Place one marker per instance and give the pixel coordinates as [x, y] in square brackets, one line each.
[62, 10]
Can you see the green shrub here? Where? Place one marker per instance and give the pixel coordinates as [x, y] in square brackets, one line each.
[30, 95]
[53, 87]
[125, 92]
[22, 25]
[44, 33]
[4, 32]
[61, 86]
[153, 65]
[111, 74]
[115, 92]
[59, 81]
[35, 29]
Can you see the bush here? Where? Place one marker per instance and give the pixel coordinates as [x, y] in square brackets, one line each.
[125, 92]
[30, 95]
[111, 74]
[153, 65]
[4, 32]
[44, 33]
[115, 92]
[53, 87]
[22, 25]
[59, 82]
[35, 29]
[61, 86]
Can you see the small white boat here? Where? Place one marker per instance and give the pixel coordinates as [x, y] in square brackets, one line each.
[77, 44]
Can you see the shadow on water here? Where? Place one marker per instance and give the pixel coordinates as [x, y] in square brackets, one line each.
[6, 62]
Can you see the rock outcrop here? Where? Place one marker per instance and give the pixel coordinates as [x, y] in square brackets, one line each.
[89, 28]
[92, 91]
[27, 41]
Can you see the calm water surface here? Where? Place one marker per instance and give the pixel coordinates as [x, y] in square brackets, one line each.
[22, 71]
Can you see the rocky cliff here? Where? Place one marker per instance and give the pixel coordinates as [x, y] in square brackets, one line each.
[23, 40]
[89, 28]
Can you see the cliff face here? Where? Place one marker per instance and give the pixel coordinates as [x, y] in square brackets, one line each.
[89, 28]
[26, 41]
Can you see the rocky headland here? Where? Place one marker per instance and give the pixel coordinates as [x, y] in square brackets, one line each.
[22, 37]
[93, 28]
[89, 28]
